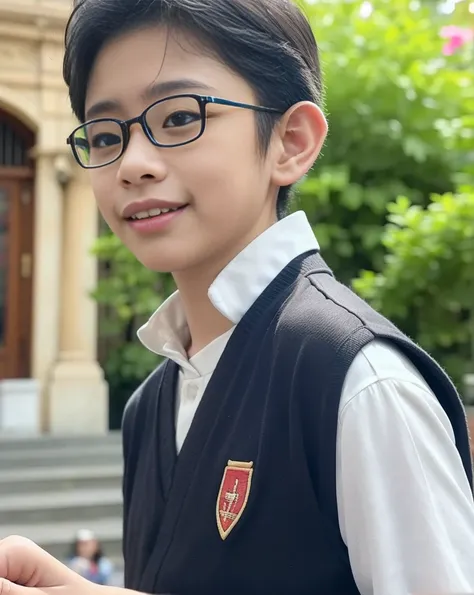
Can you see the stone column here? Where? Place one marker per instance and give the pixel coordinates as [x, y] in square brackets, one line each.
[78, 393]
[47, 273]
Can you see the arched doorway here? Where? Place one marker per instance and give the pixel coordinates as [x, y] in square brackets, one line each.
[16, 245]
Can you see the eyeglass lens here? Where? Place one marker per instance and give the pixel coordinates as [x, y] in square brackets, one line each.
[171, 122]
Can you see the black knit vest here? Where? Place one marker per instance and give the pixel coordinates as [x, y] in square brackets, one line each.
[249, 506]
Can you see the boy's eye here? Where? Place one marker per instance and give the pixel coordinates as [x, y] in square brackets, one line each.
[104, 140]
[181, 118]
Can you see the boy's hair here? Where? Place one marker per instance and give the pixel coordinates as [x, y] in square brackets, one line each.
[267, 42]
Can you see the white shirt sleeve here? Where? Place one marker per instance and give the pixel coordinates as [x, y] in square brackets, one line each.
[406, 510]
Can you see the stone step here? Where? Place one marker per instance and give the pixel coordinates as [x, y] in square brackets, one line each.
[57, 538]
[79, 454]
[52, 487]
[14, 442]
[55, 479]
[83, 506]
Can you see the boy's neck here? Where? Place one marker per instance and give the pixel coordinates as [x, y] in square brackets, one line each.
[205, 323]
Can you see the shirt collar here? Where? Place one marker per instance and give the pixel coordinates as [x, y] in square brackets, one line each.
[236, 288]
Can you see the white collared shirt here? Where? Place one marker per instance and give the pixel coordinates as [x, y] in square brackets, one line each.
[405, 507]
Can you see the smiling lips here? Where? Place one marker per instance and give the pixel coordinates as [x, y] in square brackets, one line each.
[146, 206]
[151, 215]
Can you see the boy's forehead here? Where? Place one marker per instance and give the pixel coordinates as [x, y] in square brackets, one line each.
[135, 61]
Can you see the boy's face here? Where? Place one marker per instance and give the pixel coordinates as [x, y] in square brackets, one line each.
[225, 184]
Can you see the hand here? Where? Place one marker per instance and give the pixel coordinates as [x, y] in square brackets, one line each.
[26, 569]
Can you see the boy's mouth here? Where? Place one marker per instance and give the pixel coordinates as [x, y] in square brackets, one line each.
[156, 212]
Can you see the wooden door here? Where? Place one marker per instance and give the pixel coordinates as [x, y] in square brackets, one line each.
[15, 275]
[8, 284]
[16, 246]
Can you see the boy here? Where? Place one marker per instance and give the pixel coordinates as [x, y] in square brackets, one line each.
[293, 441]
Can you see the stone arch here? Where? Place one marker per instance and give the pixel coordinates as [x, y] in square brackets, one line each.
[13, 103]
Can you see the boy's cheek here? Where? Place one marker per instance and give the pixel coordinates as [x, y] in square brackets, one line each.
[104, 194]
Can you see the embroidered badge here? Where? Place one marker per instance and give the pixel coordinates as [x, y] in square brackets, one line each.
[233, 495]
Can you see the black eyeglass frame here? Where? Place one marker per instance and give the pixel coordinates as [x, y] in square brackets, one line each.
[203, 101]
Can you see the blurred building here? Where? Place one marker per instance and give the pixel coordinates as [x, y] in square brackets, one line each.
[50, 381]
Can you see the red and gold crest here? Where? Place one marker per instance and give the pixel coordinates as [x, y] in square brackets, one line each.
[233, 495]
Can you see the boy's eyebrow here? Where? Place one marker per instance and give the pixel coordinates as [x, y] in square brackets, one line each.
[174, 86]
[154, 91]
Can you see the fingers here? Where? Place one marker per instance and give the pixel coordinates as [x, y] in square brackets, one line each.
[24, 563]
[9, 588]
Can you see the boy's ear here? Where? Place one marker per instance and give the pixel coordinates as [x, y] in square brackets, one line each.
[301, 134]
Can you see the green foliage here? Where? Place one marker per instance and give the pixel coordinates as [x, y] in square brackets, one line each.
[463, 16]
[400, 123]
[127, 293]
[428, 275]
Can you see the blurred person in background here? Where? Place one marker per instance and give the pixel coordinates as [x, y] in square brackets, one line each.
[88, 560]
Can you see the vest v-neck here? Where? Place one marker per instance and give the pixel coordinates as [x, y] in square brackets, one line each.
[177, 472]
[167, 455]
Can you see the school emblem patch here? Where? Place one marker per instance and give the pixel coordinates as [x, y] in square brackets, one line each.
[233, 495]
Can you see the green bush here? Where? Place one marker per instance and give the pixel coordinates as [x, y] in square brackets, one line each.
[401, 121]
[127, 294]
[427, 280]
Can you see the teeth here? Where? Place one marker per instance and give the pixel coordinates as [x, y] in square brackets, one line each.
[142, 215]
[151, 213]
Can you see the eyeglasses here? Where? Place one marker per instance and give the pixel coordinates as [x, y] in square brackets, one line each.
[171, 122]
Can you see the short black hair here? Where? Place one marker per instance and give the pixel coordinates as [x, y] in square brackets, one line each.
[268, 42]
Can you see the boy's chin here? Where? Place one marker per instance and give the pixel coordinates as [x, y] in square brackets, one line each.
[157, 266]
[162, 264]
[180, 258]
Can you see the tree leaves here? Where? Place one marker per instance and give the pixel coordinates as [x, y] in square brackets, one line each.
[428, 273]
[400, 122]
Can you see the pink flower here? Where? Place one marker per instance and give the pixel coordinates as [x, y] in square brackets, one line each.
[457, 37]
